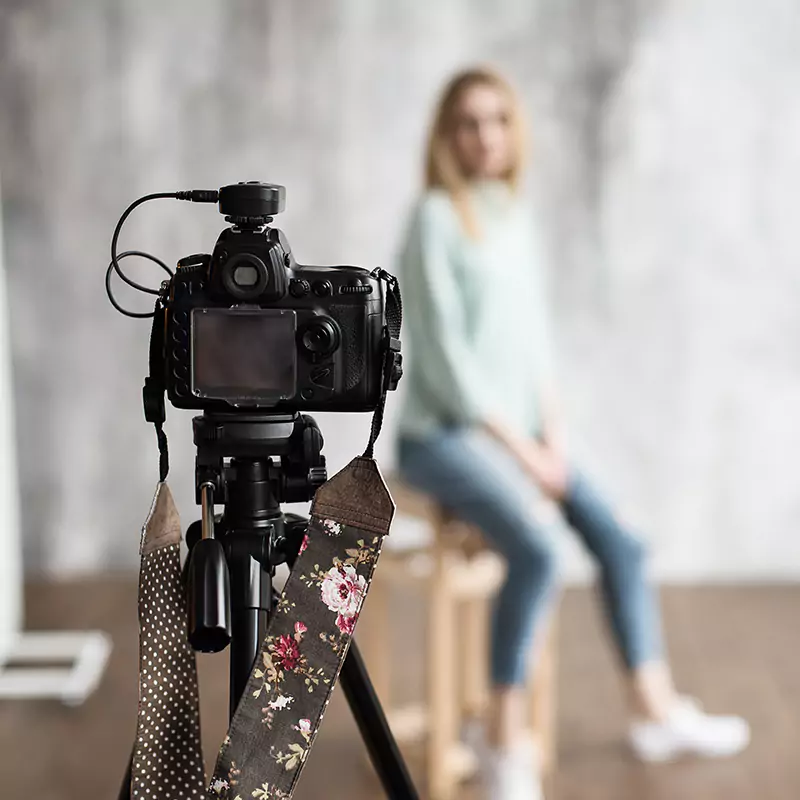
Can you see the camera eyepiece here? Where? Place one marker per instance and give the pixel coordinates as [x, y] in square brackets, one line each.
[245, 276]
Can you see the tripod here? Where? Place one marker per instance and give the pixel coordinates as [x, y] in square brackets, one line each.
[251, 463]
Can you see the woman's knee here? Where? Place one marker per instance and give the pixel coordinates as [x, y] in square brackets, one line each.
[534, 560]
[629, 554]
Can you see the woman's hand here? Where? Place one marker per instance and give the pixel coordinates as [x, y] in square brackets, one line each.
[547, 466]
[544, 462]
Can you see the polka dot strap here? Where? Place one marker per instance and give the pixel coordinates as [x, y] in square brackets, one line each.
[167, 759]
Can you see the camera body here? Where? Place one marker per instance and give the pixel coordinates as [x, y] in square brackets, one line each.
[247, 327]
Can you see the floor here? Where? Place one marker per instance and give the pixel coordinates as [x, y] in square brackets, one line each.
[738, 648]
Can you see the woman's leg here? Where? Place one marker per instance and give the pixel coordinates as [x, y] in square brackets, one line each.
[665, 725]
[471, 475]
[630, 599]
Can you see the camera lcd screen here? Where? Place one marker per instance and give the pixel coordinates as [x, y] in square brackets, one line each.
[244, 355]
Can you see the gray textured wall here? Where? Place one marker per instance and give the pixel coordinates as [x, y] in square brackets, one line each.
[667, 161]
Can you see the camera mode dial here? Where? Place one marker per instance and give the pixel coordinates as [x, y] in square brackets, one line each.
[299, 288]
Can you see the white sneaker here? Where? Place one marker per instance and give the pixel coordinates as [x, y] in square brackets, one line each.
[688, 731]
[512, 775]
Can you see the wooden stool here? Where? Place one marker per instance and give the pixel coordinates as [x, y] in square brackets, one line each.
[461, 576]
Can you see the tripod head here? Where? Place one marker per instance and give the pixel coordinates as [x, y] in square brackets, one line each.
[294, 439]
[250, 463]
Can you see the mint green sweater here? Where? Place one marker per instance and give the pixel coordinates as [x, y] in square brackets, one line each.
[476, 324]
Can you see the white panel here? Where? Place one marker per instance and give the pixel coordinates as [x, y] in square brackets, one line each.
[10, 552]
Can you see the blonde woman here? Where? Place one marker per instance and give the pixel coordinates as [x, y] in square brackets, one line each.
[480, 429]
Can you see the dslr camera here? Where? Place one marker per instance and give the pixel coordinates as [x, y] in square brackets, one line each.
[248, 327]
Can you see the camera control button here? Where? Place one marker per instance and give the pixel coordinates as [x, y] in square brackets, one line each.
[180, 353]
[355, 287]
[322, 377]
[299, 288]
[307, 394]
[181, 317]
[181, 388]
[322, 288]
[181, 372]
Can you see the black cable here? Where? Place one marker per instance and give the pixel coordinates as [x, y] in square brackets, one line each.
[196, 196]
[115, 237]
[115, 259]
[143, 254]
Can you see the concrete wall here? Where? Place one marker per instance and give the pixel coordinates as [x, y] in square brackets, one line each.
[665, 141]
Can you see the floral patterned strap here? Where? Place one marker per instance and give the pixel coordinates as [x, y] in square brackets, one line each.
[290, 686]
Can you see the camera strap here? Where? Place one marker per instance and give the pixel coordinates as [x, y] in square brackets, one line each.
[307, 639]
[309, 633]
[393, 359]
[155, 388]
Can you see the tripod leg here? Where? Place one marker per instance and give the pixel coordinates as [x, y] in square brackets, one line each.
[249, 629]
[125, 789]
[371, 721]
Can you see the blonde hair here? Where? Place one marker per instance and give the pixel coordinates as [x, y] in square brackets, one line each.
[442, 169]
